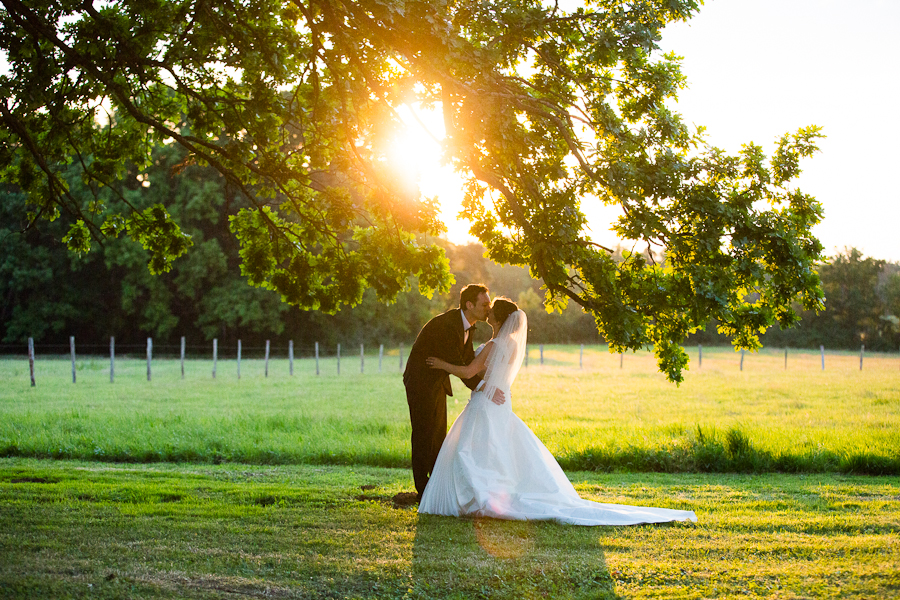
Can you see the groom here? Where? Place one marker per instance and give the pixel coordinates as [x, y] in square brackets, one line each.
[447, 336]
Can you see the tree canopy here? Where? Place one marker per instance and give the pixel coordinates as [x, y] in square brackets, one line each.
[294, 104]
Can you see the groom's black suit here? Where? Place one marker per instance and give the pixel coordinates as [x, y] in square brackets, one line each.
[427, 389]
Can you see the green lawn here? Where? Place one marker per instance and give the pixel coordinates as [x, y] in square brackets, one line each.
[71, 529]
[769, 459]
[600, 417]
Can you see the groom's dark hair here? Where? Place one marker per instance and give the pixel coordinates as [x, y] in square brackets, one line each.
[470, 293]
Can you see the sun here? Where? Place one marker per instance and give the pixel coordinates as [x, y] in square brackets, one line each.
[415, 156]
[413, 151]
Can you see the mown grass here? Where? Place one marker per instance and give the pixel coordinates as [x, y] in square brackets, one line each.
[73, 529]
[599, 417]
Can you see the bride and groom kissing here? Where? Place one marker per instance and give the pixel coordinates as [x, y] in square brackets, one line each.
[490, 464]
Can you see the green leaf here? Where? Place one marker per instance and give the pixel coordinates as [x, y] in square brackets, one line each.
[78, 239]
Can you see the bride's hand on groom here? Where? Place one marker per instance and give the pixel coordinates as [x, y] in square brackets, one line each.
[499, 397]
[436, 363]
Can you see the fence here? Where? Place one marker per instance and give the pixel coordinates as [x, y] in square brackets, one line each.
[862, 352]
[318, 354]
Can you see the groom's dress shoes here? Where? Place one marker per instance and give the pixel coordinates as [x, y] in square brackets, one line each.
[406, 499]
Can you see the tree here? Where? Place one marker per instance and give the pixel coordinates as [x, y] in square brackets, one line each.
[48, 292]
[858, 306]
[855, 310]
[890, 292]
[889, 284]
[39, 280]
[295, 102]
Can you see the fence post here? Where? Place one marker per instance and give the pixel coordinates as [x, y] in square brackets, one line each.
[380, 356]
[72, 352]
[742, 359]
[862, 349]
[31, 359]
[785, 358]
[149, 355]
[317, 358]
[542, 355]
[362, 359]
[581, 358]
[112, 358]
[215, 355]
[339, 359]
[239, 360]
[267, 358]
[822, 350]
[621, 359]
[182, 357]
[699, 355]
[291, 356]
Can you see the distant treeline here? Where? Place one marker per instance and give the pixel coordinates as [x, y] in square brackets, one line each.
[49, 294]
[862, 306]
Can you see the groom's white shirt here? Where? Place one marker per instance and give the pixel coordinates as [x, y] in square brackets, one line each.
[466, 326]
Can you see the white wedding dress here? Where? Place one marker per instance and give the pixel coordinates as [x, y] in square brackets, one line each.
[492, 465]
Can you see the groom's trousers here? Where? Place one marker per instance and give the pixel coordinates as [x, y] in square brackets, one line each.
[428, 416]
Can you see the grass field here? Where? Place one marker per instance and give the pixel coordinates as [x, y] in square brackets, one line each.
[72, 529]
[280, 486]
[601, 417]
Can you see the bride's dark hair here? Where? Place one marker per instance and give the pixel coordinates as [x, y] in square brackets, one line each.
[503, 307]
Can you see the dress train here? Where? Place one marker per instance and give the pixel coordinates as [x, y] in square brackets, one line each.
[492, 465]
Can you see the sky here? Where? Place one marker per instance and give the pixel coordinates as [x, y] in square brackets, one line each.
[758, 69]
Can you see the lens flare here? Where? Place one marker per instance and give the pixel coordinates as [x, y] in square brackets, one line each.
[504, 539]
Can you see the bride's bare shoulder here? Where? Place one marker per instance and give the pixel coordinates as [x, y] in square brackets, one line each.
[489, 347]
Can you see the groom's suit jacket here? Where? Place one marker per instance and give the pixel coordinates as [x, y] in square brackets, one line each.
[427, 389]
[442, 337]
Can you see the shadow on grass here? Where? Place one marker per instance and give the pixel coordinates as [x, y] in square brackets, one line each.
[491, 558]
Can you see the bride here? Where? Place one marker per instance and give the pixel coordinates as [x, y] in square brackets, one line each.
[492, 465]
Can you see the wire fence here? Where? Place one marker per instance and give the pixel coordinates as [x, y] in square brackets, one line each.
[214, 353]
[217, 360]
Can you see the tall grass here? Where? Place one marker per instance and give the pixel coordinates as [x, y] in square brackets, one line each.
[599, 417]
